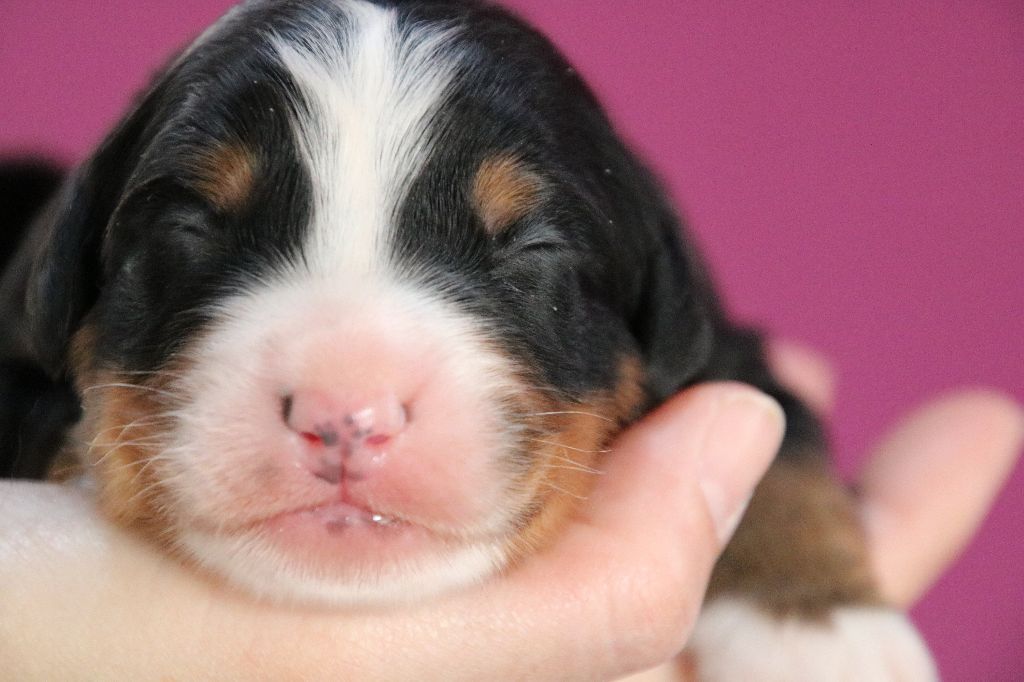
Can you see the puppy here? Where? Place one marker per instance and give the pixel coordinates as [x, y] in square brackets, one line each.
[356, 296]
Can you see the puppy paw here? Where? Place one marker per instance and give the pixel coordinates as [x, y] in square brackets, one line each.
[735, 641]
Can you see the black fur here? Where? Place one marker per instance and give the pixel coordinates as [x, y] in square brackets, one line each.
[25, 185]
[597, 272]
[34, 410]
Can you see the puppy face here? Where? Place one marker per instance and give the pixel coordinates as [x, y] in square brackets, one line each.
[357, 295]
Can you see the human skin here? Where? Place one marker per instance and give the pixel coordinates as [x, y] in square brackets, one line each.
[617, 593]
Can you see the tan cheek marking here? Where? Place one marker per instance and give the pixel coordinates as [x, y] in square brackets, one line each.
[122, 429]
[564, 474]
[67, 464]
[82, 354]
[504, 190]
[226, 175]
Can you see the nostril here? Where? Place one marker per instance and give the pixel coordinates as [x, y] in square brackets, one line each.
[320, 435]
[378, 439]
[287, 402]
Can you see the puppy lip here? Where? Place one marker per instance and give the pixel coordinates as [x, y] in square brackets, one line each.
[340, 514]
[336, 513]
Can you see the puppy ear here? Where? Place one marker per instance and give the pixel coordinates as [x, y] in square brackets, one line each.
[26, 184]
[686, 337]
[56, 275]
[675, 320]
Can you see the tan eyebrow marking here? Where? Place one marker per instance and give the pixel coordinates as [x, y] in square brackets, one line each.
[504, 190]
[227, 174]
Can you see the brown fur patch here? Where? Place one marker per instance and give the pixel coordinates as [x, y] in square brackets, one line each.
[68, 464]
[504, 190]
[226, 175]
[800, 549]
[566, 464]
[65, 467]
[82, 353]
[121, 432]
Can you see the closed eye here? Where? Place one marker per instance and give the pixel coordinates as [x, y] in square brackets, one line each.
[544, 239]
[545, 242]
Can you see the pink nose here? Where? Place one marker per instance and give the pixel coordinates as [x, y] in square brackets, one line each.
[344, 435]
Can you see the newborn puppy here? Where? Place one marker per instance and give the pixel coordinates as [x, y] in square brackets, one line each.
[357, 295]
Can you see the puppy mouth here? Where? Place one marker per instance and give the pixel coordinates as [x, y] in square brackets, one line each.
[337, 516]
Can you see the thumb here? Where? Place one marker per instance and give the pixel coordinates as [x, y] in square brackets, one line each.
[636, 563]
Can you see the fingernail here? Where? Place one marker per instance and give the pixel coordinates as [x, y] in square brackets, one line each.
[740, 443]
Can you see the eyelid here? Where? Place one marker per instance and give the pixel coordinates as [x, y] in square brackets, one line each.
[190, 227]
[546, 240]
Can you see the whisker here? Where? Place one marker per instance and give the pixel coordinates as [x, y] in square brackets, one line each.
[119, 446]
[576, 412]
[568, 447]
[132, 441]
[141, 421]
[149, 462]
[153, 373]
[581, 465]
[582, 470]
[119, 438]
[143, 491]
[156, 483]
[564, 491]
[106, 455]
[129, 465]
[138, 387]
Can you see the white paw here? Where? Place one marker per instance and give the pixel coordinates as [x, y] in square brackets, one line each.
[734, 641]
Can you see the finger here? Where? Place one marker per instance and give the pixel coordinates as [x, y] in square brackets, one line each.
[805, 372]
[929, 484]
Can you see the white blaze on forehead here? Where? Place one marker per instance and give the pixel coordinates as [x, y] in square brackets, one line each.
[372, 92]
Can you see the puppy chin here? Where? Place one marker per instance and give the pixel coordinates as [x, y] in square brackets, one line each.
[252, 562]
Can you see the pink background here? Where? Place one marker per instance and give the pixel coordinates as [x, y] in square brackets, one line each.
[854, 170]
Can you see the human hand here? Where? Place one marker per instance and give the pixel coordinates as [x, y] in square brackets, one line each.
[929, 482]
[925, 488]
[617, 593]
